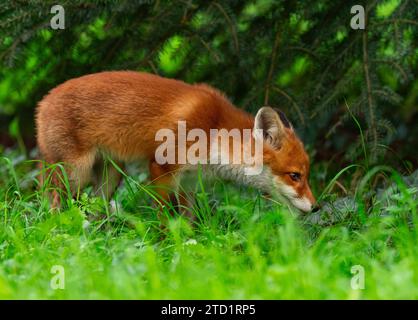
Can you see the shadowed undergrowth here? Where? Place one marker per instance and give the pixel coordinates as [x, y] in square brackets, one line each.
[241, 246]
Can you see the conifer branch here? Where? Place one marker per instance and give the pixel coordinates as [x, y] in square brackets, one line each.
[271, 69]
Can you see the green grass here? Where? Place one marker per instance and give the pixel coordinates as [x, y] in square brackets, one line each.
[242, 245]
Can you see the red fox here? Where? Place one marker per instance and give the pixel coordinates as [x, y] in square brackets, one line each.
[119, 114]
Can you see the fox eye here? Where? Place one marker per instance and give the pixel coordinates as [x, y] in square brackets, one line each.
[295, 176]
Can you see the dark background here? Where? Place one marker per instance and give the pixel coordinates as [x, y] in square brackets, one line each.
[351, 94]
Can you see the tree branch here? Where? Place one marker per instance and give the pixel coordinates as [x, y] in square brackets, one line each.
[272, 64]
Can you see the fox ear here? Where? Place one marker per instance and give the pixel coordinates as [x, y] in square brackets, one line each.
[283, 118]
[273, 123]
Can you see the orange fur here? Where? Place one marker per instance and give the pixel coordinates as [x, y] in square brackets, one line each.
[119, 113]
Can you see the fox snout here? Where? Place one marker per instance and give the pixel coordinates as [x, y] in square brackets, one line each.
[306, 202]
[303, 201]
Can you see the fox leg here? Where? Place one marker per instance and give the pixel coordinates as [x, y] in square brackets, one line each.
[78, 171]
[106, 178]
[165, 180]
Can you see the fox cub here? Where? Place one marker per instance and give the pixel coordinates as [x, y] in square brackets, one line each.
[120, 113]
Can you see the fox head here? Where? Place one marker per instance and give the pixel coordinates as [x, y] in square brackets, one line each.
[285, 162]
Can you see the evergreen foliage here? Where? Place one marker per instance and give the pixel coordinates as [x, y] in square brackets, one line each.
[301, 56]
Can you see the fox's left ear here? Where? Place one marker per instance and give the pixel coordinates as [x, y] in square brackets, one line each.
[273, 122]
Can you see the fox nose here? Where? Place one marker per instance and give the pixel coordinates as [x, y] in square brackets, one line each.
[315, 208]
